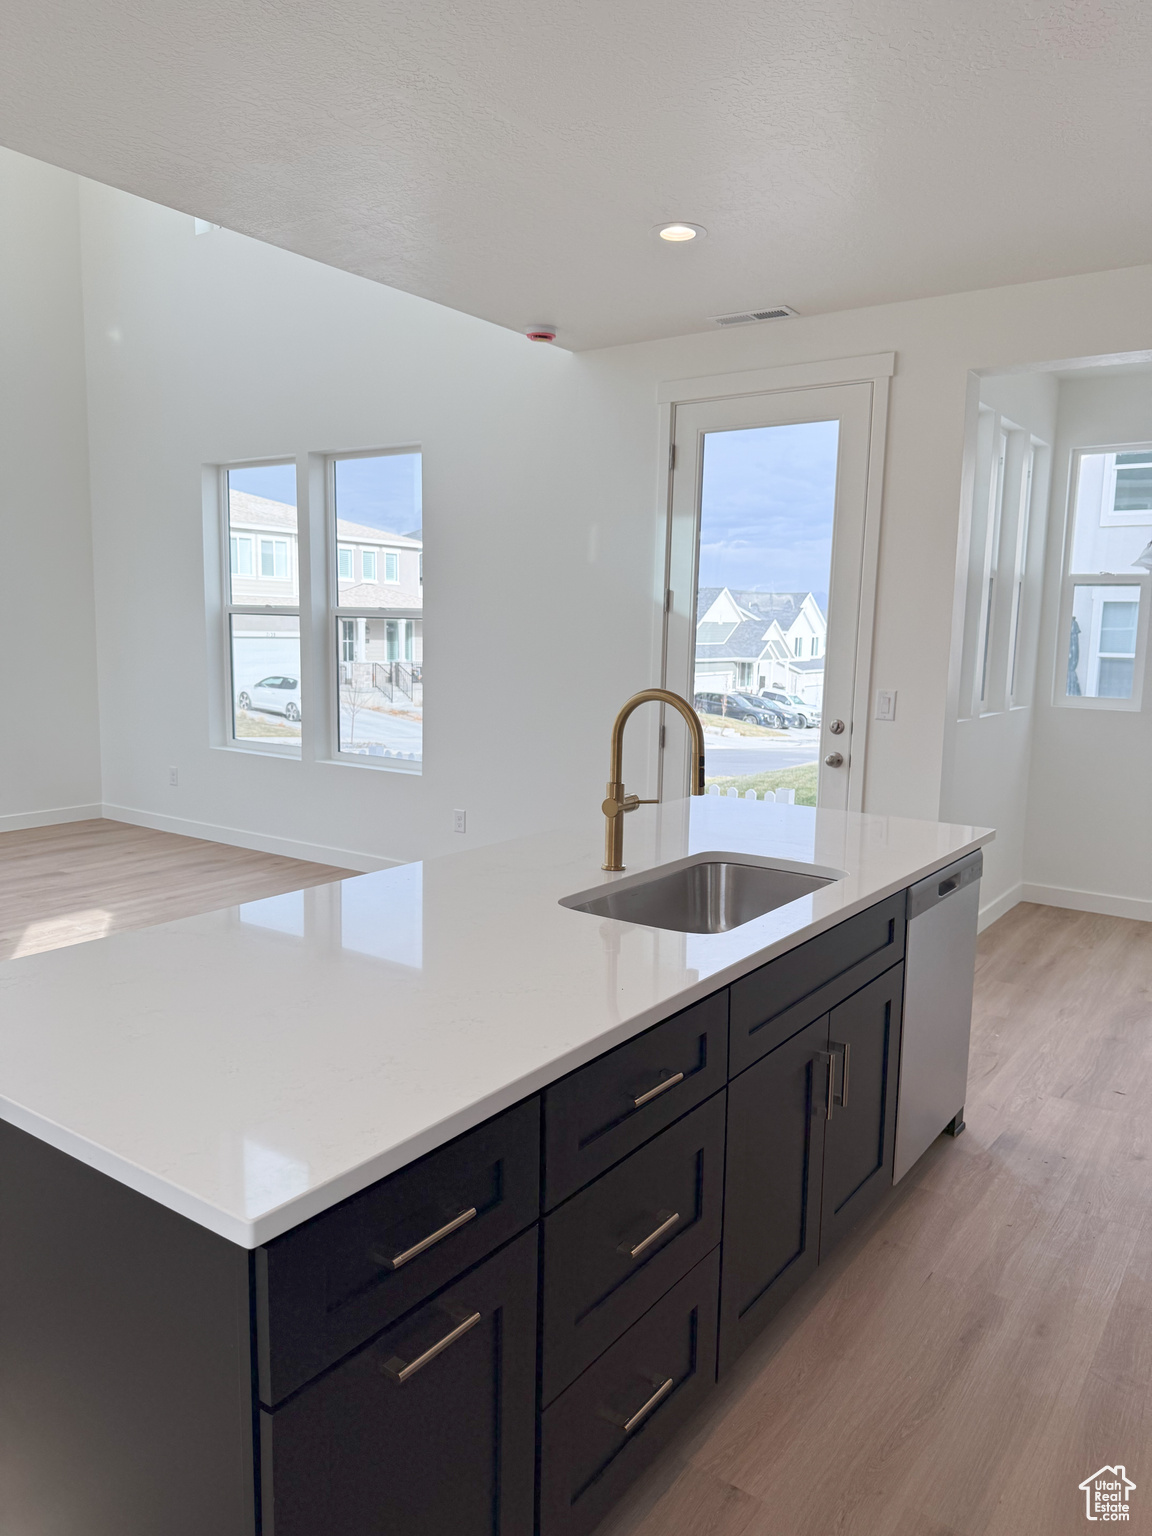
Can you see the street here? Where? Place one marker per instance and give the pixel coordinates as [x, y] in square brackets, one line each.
[738, 755]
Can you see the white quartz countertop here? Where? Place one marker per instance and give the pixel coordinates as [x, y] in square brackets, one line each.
[251, 1067]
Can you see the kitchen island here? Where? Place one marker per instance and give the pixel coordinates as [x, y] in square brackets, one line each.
[399, 1203]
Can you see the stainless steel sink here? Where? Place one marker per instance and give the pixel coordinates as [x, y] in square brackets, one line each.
[711, 893]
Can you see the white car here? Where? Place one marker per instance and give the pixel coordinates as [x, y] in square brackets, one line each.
[805, 715]
[276, 695]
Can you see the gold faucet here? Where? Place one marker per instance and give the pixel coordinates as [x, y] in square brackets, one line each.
[616, 802]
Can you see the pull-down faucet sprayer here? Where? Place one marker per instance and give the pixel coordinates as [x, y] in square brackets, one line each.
[616, 802]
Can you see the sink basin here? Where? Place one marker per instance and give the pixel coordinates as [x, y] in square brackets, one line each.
[710, 893]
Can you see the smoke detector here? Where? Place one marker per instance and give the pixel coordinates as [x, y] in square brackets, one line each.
[541, 333]
[750, 316]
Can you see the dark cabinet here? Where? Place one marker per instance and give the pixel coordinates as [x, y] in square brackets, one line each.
[617, 1246]
[602, 1112]
[864, 1042]
[611, 1423]
[428, 1429]
[326, 1286]
[811, 1133]
[776, 1117]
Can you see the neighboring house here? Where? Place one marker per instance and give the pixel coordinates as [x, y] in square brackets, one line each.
[374, 569]
[746, 641]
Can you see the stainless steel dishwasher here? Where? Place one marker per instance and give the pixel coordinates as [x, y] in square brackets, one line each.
[939, 965]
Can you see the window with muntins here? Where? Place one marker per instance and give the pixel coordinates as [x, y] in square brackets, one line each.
[375, 506]
[1103, 636]
[262, 610]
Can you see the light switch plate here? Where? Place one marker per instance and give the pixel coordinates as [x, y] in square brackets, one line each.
[886, 704]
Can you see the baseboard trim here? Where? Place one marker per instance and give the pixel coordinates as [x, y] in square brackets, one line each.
[996, 909]
[62, 813]
[1088, 901]
[237, 837]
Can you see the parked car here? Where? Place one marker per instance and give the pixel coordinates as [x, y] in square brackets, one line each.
[275, 695]
[773, 716]
[805, 715]
[735, 706]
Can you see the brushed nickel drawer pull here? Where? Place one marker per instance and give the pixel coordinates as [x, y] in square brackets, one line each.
[400, 1370]
[394, 1261]
[665, 1226]
[641, 1414]
[654, 1093]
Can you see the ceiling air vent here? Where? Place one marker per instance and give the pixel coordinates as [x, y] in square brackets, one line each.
[749, 316]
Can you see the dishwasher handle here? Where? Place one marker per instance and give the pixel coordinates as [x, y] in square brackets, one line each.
[929, 893]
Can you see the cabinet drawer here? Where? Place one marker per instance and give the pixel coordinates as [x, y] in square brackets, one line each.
[332, 1283]
[599, 1114]
[614, 1420]
[616, 1247]
[450, 1446]
[783, 996]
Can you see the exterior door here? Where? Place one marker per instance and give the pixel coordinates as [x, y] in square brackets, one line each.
[769, 579]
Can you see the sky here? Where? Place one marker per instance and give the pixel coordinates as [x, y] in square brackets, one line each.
[381, 492]
[767, 506]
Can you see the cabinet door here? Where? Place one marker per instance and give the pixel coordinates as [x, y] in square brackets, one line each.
[429, 1429]
[864, 1038]
[776, 1116]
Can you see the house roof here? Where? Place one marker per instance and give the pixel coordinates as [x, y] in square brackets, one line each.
[746, 643]
[374, 594]
[783, 607]
[249, 511]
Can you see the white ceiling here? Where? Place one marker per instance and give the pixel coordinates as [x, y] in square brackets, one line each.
[510, 157]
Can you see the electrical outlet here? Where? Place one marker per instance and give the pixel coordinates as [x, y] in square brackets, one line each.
[174, 777]
[459, 821]
[886, 704]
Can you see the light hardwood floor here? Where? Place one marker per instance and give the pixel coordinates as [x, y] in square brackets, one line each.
[986, 1341]
[83, 879]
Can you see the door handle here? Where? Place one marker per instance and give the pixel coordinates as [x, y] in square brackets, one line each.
[835, 760]
[840, 1099]
[829, 1060]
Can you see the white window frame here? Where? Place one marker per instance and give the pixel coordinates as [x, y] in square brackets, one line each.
[374, 556]
[1071, 579]
[1109, 517]
[338, 611]
[1143, 588]
[349, 550]
[270, 748]
[391, 557]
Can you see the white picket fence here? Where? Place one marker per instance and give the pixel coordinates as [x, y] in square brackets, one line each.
[781, 796]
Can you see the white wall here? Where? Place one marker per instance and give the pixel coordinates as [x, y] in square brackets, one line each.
[542, 487]
[987, 756]
[216, 348]
[49, 736]
[1089, 839]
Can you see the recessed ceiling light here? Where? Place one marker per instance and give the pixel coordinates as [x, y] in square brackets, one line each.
[677, 232]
